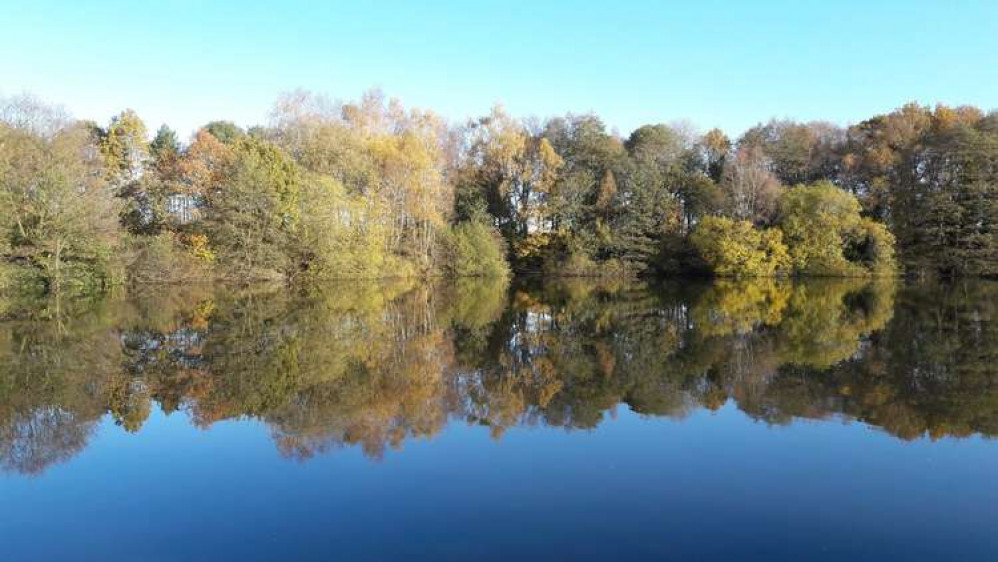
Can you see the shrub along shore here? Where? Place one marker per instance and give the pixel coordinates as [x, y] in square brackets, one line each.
[372, 189]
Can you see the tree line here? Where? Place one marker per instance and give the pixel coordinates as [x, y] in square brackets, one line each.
[372, 189]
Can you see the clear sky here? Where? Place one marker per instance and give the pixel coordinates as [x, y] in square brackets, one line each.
[728, 64]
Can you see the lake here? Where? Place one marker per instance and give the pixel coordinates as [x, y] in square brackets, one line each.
[482, 420]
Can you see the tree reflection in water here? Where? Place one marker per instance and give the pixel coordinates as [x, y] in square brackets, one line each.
[376, 365]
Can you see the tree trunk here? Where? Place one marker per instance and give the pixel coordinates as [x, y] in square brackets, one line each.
[57, 274]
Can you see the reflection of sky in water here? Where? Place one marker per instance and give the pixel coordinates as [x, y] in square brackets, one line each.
[776, 422]
[713, 485]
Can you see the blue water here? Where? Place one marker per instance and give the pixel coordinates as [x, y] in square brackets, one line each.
[711, 486]
[695, 484]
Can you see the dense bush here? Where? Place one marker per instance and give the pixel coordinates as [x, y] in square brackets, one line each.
[340, 235]
[168, 258]
[735, 248]
[476, 249]
[826, 235]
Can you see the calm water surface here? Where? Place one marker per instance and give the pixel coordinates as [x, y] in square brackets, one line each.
[570, 420]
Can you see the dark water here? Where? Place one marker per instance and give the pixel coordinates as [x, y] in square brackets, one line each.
[841, 420]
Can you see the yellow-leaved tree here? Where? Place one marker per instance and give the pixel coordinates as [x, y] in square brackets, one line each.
[826, 235]
[734, 248]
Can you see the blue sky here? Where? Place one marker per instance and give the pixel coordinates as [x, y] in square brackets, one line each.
[727, 64]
